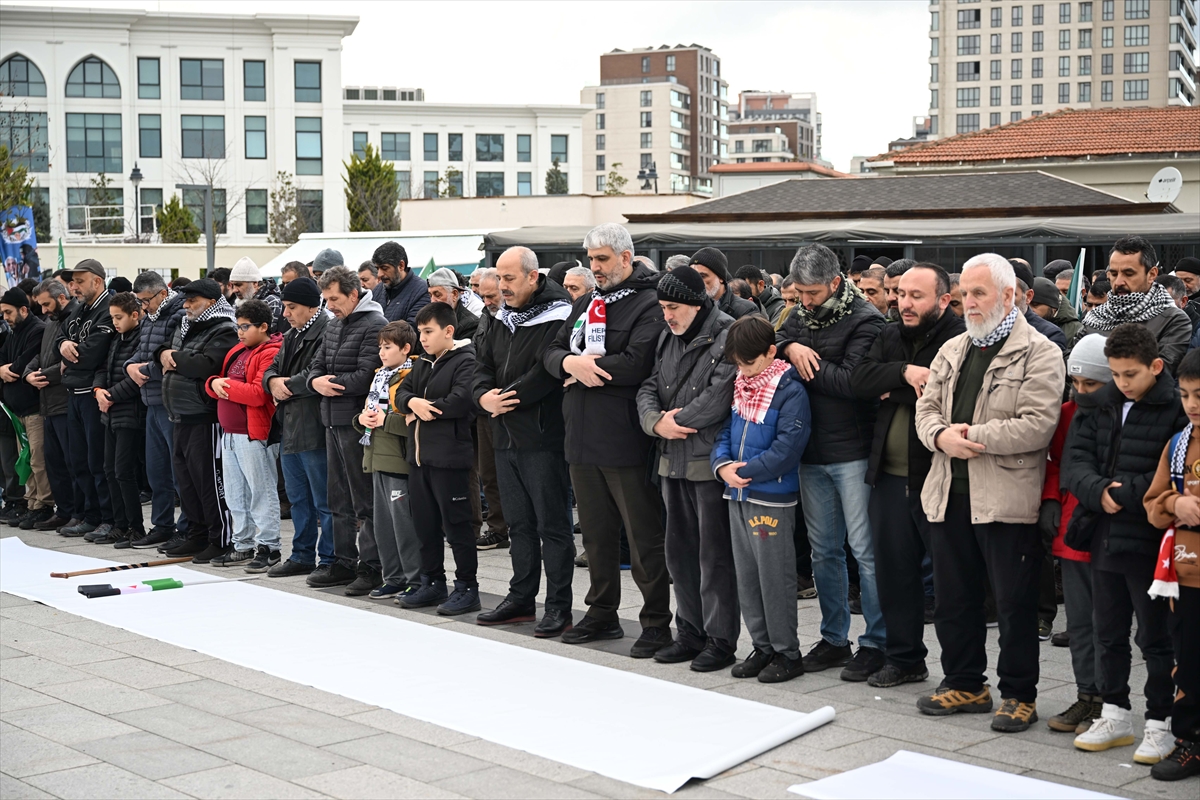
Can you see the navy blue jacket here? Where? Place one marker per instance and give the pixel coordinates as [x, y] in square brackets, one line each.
[404, 301]
[153, 336]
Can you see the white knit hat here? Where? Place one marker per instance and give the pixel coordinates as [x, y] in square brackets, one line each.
[245, 271]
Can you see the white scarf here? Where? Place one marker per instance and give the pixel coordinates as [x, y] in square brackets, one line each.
[587, 335]
[377, 396]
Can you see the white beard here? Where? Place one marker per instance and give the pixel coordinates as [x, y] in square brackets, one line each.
[980, 330]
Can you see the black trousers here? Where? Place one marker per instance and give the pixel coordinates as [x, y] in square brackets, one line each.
[1116, 600]
[965, 558]
[440, 502]
[534, 483]
[608, 496]
[1185, 634]
[1047, 594]
[196, 458]
[803, 547]
[62, 480]
[901, 539]
[124, 449]
[351, 501]
[86, 434]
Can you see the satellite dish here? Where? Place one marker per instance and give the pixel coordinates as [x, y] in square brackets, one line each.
[1165, 186]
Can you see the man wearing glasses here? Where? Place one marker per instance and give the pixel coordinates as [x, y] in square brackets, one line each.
[162, 310]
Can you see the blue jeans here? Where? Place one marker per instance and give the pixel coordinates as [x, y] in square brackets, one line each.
[160, 439]
[251, 491]
[835, 499]
[305, 478]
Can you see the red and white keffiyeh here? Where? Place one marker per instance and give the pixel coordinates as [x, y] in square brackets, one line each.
[1166, 582]
[752, 396]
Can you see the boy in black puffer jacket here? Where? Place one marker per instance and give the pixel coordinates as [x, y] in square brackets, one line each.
[1112, 454]
[436, 397]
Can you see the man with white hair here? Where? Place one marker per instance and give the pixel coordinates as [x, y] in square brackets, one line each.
[988, 411]
[487, 286]
[579, 281]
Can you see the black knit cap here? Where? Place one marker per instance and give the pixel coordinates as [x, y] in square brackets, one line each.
[15, 297]
[1024, 274]
[1188, 264]
[713, 259]
[303, 291]
[860, 264]
[682, 285]
[205, 287]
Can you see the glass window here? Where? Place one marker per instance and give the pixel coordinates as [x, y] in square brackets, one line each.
[404, 184]
[1064, 40]
[1014, 116]
[1085, 65]
[1064, 93]
[430, 185]
[647, 99]
[968, 70]
[1016, 69]
[193, 200]
[203, 136]
[489, 184]
[149, 136]
[1064, 66]
[370, 94]
[254, 81]
[1137, 35]
[996, 96]
[1064, 12]
[968, 45]
[454, 148]
[1017, 42]
[599, 122]
[933, 124]
[524, 184]
[1137, 9]
[1137, 62]
[359, 139]
[1085, 12]
[995, 73]
[1085, 92]
[647, 140]
[997, 17]
[1038, 14]
[670, 63]
[308, 146]
[353, 94]
[1038, 41]
[1106, 64]
[558, 147]
[678, 120]
[489, 147]
[256, 211]
[1106, 91]
[599, 99]
[966, 123]
[1085, 39]
[647, 119]
[94, 143]
[935, 21]
[149, 201]
[26, 136]
[933, 100]
[148, 86]
[647, 159]
[394, 146]
[430, 146]
[1018, 13]
[308, 81]
[20, 77]
[1014, 96]
[1037, 68]
[600, 163]
[993, 119]
[1137, 90]
[645, 63]
[599, 183]
[968, 19]
[968, 98]
[996, 43]
[454, 183]
[201, 79]
[524, 147]
[933, 47]
[311, 205]
[256, 138]
[1037, 94]
[599, 141]
[1106, 37]
[92, 78]
[1106, 9]
[95, 210]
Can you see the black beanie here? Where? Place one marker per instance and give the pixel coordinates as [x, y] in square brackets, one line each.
[16, 298]
[860, 264]
[120, 284]
[1024, 274]
[303, 291]
[713, 259]
[682, 285]
[1188, 264]
[1056, 266]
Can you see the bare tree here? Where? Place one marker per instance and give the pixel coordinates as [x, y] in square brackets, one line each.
[211, 172]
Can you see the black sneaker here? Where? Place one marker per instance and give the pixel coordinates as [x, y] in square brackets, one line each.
[554, 622]
[591, 629]
[330, 575]
[507, 613]
[83, 528]
[210, 552]
[232, 558]
[650, 642]
[806, 587]
[188, 547]
[866, 662]
[890, 675]
[177, 538]
[712, 658]
[781, 669]
[156, 536]
[113, 536]
[825, 655]
[70, 523]
[1045, 630]
[52, 524]
[287, 568]
[386, 592]
[1061, 639]
[929, 605]
[33, 518]
[1183, 762]
[755, 663]
[130, 538]
[101, 532]
[463, 600]
[264, 559]
[492, 541]
[12, 512]
[365, 579]
[145, 498]
[676, 653]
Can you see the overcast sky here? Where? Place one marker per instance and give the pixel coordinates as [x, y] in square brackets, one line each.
[866, 59]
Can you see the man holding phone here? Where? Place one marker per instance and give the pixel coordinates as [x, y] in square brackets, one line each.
[525, 406]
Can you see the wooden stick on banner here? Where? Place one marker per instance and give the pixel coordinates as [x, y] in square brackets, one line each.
[120, 567]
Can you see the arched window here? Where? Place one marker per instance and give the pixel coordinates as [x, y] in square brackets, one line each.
[92, 78]
[20, 77]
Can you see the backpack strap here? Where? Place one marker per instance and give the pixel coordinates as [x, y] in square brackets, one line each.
[1178, 450]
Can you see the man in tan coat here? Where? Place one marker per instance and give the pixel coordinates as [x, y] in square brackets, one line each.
[987, 412]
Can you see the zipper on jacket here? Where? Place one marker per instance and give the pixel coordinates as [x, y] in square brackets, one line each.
[741, 450]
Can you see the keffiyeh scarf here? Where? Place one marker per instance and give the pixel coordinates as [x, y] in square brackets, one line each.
[832, 310]
[377, 396]
[1132, 307]
[752, 396]
[587, 336]
[221, 308]
[1000, 332]
[166, 302]
[553, 311]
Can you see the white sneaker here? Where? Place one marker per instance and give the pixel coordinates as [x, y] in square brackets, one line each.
[1157, 743]
[1113, 728]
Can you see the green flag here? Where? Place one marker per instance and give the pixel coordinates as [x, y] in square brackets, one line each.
[1074, 293]
[62, 262]
[430, 268]
[22, 468]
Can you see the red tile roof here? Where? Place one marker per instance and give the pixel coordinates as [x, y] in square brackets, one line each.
[1067, 134]
[778, 166]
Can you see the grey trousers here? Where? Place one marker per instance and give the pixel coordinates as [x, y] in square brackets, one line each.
[700, 561]
[395, 535]
[350, 500]
[765, 557]
[1077, 599]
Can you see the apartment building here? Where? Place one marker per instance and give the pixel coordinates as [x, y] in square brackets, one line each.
[761, 142]
[638, 128]
[997, 61]
[795, 113]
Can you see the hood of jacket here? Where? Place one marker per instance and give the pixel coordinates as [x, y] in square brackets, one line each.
[366, 304]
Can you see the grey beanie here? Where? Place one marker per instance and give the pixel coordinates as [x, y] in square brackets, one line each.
[327, 258]
[1088, 360]
[444, 277]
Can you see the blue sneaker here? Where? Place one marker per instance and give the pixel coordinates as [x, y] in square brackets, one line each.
[430, 594]
[385, 591]
[463, 600]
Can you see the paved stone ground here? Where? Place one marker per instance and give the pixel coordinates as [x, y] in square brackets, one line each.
[89, 711]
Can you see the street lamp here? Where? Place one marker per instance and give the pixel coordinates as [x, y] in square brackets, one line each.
[209, 239]
[135, 177]
[647, 175]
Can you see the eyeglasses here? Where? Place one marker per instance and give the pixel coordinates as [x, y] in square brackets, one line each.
[245, 326]
[146, 301]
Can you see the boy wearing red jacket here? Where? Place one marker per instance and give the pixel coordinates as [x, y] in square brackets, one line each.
[244, 410]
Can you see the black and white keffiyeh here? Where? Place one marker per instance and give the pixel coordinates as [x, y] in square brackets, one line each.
[221, 308]
[553, 311]
[1001, 331]
[377, 396]
[166, 302]
[1132, 307]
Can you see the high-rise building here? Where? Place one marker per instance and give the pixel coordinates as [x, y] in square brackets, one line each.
[794, 113]
[667, 106]
[1039, 57]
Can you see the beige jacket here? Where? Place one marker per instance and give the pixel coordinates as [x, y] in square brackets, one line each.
[1015, 417]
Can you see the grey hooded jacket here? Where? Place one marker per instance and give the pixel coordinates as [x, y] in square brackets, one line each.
[350, 353]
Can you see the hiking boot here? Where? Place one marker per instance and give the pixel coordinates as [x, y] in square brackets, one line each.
[463, 600]
[866, 662]
[1081, 712]
[930, 604]
[781, 669]
[945, 701]
[492, 541]
[1013, 716]
[1157, 742]
[33, 518]
[70, 523]
[386, 592]
[754, 664]
[1113, 728]
[890, 675]
[1045, 630]
[287, 568]
[52, 524]
[591, 629]
[676, 653]
[650, 642]
[330, 575]
[806, 588]
[508, 612]
[554, 622]
[264, 559]
[1061, 639]
[233, 558]
[825, 655]
[431, 593]
[212, 551]
[129, 539]
[1182, 762]
[365, 580]
[83, 528]
[188, 547]
[157, 535]
[711, 659]
[101, 532]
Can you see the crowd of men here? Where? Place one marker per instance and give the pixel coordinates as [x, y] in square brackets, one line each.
[900, 442]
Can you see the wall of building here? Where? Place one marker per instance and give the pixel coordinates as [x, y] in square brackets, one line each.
[734, 183]
[494, 213]
[670, 143]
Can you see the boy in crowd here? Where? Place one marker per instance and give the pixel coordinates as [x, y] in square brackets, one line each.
[385, 457]
[244, 410]
[124, 417]
[1174, 500]
[1089, 372]
[1112, 454]
[436, 399]
[757, 455]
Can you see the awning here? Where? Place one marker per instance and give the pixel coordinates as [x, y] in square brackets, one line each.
[459, 250]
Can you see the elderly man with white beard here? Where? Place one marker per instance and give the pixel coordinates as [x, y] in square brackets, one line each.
[989, 408]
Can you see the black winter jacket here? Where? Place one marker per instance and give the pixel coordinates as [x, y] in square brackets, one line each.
[1097, 440]
[128, 410]
[404, 301]
[297, 421]
[503, 357]
[20, 348]
[602, 426]
[738, 307]
[49, 362]
[445, 441]
[350, 353]
[467, 325]
[90, 328]
[879, 373]
[198, 356]
[154, 334]
[843, 424]
[772, 303]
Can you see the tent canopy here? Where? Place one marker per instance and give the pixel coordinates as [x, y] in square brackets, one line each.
[460, 250]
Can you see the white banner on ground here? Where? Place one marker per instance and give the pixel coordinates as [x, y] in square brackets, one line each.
[913, 776]
[633, 728]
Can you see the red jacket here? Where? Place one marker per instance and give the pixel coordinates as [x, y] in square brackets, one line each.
[260, 406]
[1052, 491]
